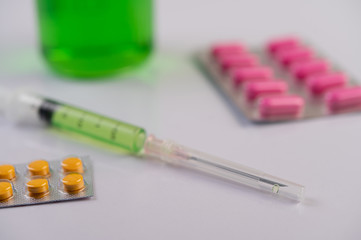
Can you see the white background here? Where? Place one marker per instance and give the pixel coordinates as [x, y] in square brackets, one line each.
[140, 199]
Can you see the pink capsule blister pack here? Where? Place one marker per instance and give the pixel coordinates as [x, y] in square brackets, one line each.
[285, 80]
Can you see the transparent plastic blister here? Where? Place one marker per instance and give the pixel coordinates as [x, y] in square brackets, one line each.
[313, 106]
[27, 191]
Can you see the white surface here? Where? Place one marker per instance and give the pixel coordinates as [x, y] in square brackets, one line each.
[139, 199]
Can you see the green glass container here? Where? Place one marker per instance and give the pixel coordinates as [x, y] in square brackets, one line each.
[94, 38]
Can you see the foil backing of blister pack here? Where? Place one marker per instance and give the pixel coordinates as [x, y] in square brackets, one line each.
[314, 106]
[56, 191]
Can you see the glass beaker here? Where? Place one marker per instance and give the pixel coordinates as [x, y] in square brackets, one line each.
[94, 38]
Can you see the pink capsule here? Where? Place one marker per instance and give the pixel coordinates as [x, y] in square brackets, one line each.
[227, 48]
[320, 84]
[254, 90]
[239, 60]
[297, 54]
[344, 99]
[302, 70]
[241, 75]
[283, 106]
[282, 43]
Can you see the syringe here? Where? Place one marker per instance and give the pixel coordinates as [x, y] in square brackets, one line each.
[23, 107]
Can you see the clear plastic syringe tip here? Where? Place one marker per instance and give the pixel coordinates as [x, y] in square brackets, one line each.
[180, 155]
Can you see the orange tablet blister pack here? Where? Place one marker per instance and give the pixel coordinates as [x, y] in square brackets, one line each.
[43, 181]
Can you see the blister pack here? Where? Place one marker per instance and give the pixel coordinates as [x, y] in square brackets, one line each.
[283, 81]
[42, 181]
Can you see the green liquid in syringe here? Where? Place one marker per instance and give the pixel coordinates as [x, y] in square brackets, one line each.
[105, 129]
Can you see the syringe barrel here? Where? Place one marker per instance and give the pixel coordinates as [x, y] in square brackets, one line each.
[29, 108]
[177, 154]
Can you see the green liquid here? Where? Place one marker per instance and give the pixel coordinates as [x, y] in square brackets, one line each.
[92, 38]
[126, 136]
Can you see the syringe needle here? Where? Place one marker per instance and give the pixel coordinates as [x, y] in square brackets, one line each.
[236, 171]
[180, 155]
